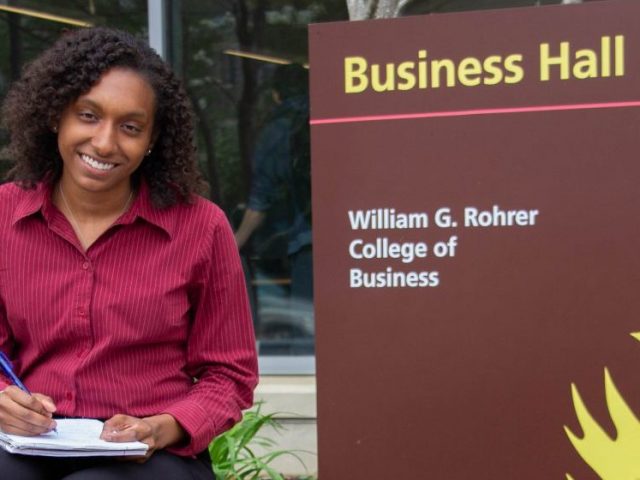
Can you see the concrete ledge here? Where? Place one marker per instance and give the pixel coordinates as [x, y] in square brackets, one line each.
[290, 397]
[293, 399]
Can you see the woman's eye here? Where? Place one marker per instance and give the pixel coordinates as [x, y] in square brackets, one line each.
[131, 129]
[87, 116]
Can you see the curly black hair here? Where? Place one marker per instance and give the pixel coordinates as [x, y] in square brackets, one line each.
[70, 68]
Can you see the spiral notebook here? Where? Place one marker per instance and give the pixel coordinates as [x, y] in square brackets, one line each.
[76, 437]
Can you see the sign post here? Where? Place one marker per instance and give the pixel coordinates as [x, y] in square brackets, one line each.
[476, 191]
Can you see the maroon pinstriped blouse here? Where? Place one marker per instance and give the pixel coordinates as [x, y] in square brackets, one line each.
[157, 300]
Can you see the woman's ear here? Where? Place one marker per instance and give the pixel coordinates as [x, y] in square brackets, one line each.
[154, 138]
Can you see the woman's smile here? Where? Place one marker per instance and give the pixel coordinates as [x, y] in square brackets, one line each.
[96, 164]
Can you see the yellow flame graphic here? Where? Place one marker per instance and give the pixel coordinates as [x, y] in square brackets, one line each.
[611, 459]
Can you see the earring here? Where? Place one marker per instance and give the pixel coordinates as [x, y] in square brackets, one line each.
[148, 152]
[55, 129]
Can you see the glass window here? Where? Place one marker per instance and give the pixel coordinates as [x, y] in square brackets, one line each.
[245, 67]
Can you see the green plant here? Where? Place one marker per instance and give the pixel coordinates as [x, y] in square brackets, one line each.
[232, 453]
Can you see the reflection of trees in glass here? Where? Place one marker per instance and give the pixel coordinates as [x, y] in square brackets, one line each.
[232, 95]
[364, 9]
[24, 36]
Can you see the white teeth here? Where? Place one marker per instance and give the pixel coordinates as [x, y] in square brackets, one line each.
[96, 164]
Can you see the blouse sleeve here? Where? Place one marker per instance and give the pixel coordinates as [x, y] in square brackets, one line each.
[221, 350]
[6, 342]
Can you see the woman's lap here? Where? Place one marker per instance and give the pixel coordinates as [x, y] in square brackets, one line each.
[161, 465]
[20, 466]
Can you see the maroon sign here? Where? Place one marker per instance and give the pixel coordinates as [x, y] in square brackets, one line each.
[476, 190]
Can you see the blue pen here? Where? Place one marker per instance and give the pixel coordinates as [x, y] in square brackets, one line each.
[7, 369]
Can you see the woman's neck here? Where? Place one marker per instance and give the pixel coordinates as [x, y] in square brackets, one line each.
[87, 205]
[91, 213]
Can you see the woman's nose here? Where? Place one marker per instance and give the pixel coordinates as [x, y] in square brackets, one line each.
[104, 140]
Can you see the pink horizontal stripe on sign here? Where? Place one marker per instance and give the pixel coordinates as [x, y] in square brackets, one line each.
[481, 111]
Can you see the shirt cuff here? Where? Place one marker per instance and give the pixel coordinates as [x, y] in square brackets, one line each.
[198, 425]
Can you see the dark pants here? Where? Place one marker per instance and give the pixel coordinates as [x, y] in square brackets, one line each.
[161, 466]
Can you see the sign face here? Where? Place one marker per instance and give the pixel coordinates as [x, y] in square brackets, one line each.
[476, 189]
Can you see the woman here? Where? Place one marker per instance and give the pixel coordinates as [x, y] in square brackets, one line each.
[121, 293]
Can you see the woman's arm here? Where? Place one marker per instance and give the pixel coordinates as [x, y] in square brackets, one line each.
[220, 354]
[221, 350]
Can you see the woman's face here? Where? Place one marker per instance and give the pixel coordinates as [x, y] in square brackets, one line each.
[105, 133]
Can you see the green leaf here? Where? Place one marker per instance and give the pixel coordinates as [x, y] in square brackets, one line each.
[233, 456]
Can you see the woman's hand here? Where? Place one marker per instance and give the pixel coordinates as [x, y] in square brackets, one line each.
[24, 414]
[158, 431]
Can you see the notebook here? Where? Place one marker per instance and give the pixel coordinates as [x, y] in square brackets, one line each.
[76, 437]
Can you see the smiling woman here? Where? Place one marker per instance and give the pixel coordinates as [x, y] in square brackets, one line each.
[122, 296]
